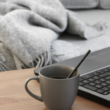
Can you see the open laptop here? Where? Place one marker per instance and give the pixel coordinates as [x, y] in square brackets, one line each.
[94, 75]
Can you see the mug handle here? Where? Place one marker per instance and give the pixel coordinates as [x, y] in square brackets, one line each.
[36, 71]
[28, 91]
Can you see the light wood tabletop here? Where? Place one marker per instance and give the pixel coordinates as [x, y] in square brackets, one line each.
[14, 97]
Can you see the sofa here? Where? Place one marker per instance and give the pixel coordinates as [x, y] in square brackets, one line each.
[91, 12]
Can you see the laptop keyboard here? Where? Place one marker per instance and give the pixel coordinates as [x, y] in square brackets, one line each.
[98, 81]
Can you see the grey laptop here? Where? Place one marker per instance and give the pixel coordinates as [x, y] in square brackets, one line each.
[94, 75]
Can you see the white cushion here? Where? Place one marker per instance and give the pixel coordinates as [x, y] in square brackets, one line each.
[78, 4]
[97, 43]
[104, 4]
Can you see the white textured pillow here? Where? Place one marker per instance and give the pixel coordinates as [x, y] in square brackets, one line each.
[78, 4]
[104, 4]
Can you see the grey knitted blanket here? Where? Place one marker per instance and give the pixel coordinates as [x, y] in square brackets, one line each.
[29, 30]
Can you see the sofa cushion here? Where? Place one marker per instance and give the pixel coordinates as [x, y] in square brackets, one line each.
[97, 43]
[104, 4]
[80, 4]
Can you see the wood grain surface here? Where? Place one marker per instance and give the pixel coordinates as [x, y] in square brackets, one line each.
[14, 97]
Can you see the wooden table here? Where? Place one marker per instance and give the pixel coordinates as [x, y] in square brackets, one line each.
[14, 97]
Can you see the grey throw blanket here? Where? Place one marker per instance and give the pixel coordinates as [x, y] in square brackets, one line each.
[29, 30]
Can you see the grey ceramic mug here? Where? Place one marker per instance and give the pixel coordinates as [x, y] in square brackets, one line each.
[57, 94]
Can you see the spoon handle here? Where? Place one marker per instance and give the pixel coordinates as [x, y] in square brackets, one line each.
[71, 74]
